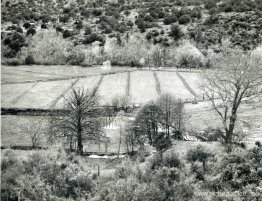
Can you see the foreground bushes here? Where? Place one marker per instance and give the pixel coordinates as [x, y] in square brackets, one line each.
[56, 176]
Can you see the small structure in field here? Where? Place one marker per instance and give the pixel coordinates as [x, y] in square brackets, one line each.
[106, 65]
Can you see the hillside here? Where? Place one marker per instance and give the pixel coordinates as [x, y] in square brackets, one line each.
[152, 28]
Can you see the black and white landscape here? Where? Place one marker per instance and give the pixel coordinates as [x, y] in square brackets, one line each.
[131, 100]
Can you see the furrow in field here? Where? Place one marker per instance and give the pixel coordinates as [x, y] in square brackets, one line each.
[128, 84]
[43, 94]
[15, 100]
[158, 87]
[10, 94]
[54, 102]
[142, 87]
[88, 83]
[172, 84]
[186, 84]
[113, 85]
[194, 81]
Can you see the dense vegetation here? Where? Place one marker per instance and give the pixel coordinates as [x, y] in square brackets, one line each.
[160, 24]
[201, 175]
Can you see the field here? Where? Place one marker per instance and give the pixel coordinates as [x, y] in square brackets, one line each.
[46, 94]
[171, 83]
[44, 73]
[112, 86]
[142, 87]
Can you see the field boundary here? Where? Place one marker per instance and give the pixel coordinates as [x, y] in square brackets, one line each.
[65, 78]
[186, 85]
[158, 86]
[41, 73]
[54, 102]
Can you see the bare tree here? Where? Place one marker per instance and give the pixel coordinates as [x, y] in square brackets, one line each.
[237, 77]
[165, 115]
[80, 120]
[35, 130]
[171, 113]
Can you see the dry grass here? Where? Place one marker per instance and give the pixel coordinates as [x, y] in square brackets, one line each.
[171, 83]
[112, 85]
[142, 86]
[43, 94]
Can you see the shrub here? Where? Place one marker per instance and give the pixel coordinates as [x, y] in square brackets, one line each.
[66, 10]
[170, 19]
[64, 18]
[210, 4]
[26, 25]
[97, 12]
[184, 19]
[172, 161]
[45, 19]
[149, 18]
[16, 41]
[29, 60]
[141, 24]
[176, 31]
[67, 34]
[79, 24]
[92, 38]
[43, 26]
[88, 30]
[196, 13]
[30, 31]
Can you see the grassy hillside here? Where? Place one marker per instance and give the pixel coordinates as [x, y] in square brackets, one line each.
[79, 23]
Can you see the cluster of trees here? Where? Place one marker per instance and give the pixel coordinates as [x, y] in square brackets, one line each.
[157, 122]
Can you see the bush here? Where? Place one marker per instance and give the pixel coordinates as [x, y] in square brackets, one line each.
[176, 31]
[16, 41]
[65, 18]
[198, 154]
[79, 24]
[29, 60]
[149, 18]
[67, 34]
[172, 160]
[88, 30]
[170, 19]
[210, 4]
[43, 26]
[184, 19]
[196, 13]
[141, 24]
[26, 25]
[30, 31]
[92, 38]
[97, 12]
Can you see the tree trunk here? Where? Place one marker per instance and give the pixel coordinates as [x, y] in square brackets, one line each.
[79, 142]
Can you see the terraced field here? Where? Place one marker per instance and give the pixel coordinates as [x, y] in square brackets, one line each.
[141, 86]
